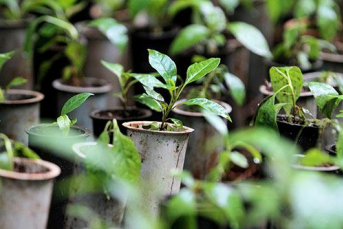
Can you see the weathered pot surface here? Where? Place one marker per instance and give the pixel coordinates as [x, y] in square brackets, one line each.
[330, 169]
[199, 158]
[309, 77]
[99, 87]
[19, 111]
[25, 196]
[161, 152]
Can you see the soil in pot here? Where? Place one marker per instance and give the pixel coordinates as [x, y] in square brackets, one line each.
[327, 168]
[306, 136]
[51, 145]
[26, 193]
[142, 39]
[20, 111]
[101, 117]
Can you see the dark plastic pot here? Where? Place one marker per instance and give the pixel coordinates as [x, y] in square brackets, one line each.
[306, 99]
[19, 112]
[12, 37]
[200, 158]
[307, 135]
[101, 117]
[332, 169]
[331, 149]
[142, 39]
[98, 87]
[51, 145]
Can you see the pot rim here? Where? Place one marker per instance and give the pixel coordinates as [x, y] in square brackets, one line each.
[105, 88]
[53, 172]
[329, 148]
[29, 131]
[128, 125]
[309, 168]
[314, 66]
[314, 75]
[198, 114]
[37, 97]
[147, 112]
[332, 57]
[263, 90]
[77, 148]
[21, 23]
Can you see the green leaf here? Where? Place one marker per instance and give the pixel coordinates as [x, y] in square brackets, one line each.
[291, 76]
[23, 151]
[185, 177]
[305, 8]
[177, 123]
[327, 98]
[251, 38]
[209, 106]
[116, 69]
[267, 113]
[74, 102]
[153, 94]
[189, 37]
[151, 126]
[315, 157]
[339, 145]
[148, 80]
[328, 20]
[239, 159]
[198, 70]
[214, 17]
[17, 81]
[237, 88]
[4, 57]
[164, 66]
[64, 123]
[149, 101]
[217, 123]
[229, 5]
[126, 163]
[115, 32]
[76, 53]
[135, 6]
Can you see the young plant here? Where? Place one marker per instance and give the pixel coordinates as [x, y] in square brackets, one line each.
[299, 49]
[17, 81]
[10, 149]
[287, 83]
[128, 79]
[63, 121]
[166, 67]
[218, 82]
[207, 34]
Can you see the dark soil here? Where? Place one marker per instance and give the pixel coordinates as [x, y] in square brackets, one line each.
[80, 83]
[296, 121]
[30, 168]
[16, 97]
[119, 114]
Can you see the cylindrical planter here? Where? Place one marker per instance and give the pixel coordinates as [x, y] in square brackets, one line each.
[161, 152]
[307, 136]
[109, 210]
[142, 39]
[12, 37]
[51, 145]
[200, 158]
[331, 149]
[100, 48]
[98, 87]
[330, 169]
[306, 99]
[19, 112]
[25, 194]
[101, 117]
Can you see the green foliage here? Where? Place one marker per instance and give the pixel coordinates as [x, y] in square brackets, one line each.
[74, 102]
[207, 33]
[167, 69]
[13, 149]
[115, 32]
[327, 98]
[278, 9]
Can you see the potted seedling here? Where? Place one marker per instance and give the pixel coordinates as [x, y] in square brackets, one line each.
[211, 35]
[104, 165]
[53, 142]
[26, 186]
[19, 109]
[200, 158]
[162, 144]
[152, 29]
[106, 40]
[126, 113]
[287, 83]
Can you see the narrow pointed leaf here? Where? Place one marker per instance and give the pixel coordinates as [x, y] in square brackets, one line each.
[237, 88]
[177, 123]
[74, 102]
[201, 69]
[17, 81]
[149, 80]
[164, 65]
[149, 101]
